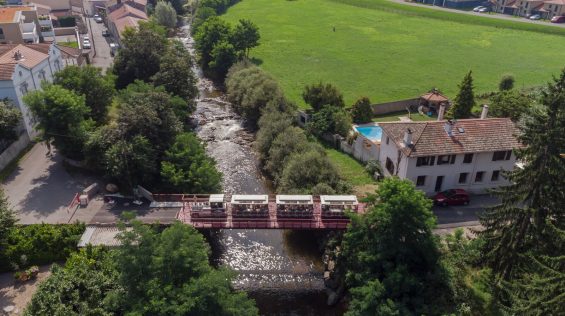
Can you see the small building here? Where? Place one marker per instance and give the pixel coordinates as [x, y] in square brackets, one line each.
[123, 15]
[22, 69]
[23, 24]
[437, 155]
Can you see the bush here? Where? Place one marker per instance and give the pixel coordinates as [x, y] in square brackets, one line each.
[40, 244]
[319, 95]
[361, 111]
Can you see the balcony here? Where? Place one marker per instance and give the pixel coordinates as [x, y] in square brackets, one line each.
[29, 33]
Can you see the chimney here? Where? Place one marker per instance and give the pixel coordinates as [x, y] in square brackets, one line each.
[18, 55]
[484, 112]
[441, 112]
[408, 137]
[448, 127]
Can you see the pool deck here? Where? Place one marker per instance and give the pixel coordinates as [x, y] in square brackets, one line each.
[371, 124]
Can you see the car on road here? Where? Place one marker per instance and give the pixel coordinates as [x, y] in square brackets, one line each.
[476, 9]
[535, 17]
[484, 10]
[86, 37]
[558, 19]
[452, 197]
[105, 33]
[113, 49]
[97, 18]
[86, 44]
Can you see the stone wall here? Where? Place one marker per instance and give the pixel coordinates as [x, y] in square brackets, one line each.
[396, 106]
[13, 150]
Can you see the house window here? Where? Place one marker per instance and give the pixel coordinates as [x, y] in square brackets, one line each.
[501, 155]
[41, 75]
[2, 34]
[495, 176]
[421, 181]
[57, 65]
[387, 140]
[389, 165]
[479, 176]
[425, 161]
[23, 88]
[463, 177]
[445, 159]
[468, 158]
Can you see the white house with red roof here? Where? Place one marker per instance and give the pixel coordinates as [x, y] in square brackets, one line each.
[470, 154]
[125, 14]
[22, 69]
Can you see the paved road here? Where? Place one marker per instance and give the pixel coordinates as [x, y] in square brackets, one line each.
[40, 189]
[466, 215]
[489, 15]
[102, 59]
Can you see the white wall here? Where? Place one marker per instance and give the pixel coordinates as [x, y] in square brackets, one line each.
[481, 162]
[364, 153]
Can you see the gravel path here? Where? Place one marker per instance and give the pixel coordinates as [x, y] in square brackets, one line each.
[14, 295]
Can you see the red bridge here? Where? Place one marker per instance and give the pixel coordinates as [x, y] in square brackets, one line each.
[218, 211]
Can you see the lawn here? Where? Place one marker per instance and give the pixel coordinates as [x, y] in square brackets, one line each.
[388, 51]
[352, 171]
[69, 44]
[394, 116]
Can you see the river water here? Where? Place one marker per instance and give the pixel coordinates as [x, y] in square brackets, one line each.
[280, 269]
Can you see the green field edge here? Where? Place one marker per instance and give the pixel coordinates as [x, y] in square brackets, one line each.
[388, 6]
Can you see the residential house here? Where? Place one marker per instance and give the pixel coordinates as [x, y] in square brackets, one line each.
[23, 24]
[553, 8]
[22, 69]
[546, 8]
[125, 14]
[438, 155]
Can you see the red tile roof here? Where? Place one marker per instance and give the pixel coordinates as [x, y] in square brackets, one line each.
[32, 54]
[7, 70]
[469, 136]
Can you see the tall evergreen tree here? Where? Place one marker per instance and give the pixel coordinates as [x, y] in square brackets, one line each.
[465, 99]
[536, 195]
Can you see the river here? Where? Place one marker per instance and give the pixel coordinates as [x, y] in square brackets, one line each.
[280, 269]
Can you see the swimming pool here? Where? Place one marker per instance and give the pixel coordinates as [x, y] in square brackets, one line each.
[373, 133]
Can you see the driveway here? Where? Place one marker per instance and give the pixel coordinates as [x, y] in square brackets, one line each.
[499, 16]
[40, 189]
[464, 215]
[101, 44]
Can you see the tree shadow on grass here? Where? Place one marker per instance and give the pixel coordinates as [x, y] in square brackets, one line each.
[256, 61]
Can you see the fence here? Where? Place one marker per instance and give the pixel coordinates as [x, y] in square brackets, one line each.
[12, 151]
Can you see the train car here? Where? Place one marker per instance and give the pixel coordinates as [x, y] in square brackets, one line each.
[213, 206]
[295, 206]
[250, 206]
[334, 206]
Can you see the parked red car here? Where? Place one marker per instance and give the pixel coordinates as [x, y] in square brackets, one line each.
[558, 19]
[452, 197]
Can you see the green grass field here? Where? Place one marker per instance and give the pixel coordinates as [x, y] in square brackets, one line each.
[388, 51]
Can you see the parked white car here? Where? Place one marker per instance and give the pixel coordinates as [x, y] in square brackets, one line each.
[535, 17]
[86, 44]
[484, 10]
[476, 9]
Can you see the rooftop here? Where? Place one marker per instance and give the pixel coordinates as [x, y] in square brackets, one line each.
[30, 55]
[9, 14]
[468, 136]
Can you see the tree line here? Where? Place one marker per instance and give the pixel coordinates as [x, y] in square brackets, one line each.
[133, 123]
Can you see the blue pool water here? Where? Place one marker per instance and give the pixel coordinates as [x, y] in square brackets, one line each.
[371, 132]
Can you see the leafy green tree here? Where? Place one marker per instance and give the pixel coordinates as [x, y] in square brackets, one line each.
[150, 113]
[165, 14]
[506, 83]
[84, 286]
[169, 274]
[224, 55]
[10, 117]
[392, 257]
[98, 142]
[271, 124]
[61, 116]
[245, 36]
[188, 169]
[306, 170]
[202, 14]
[509, 103]
[319, 95]
[330, 119]
[465, 99]
[361, 111]
[212, 32]
[175, 74]
[97, 89]
[535, 200]
[140, 56]
[7, 222]
[132, 162]
[290, 141]
[251, 90]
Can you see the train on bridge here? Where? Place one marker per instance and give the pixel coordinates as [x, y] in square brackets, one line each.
[262, 211]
